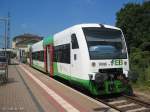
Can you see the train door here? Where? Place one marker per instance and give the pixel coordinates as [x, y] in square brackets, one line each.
[30, 56]
[45, 58]
[75, 68]
[50, 59]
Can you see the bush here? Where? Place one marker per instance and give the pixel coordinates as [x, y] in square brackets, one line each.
[133, 76]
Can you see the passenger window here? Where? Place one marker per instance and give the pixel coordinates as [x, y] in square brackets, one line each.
[74, 41]
[62, 53]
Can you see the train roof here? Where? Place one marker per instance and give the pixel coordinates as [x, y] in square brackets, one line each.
[96, 25]
[37, 46]
[49, 40]
[88, 25]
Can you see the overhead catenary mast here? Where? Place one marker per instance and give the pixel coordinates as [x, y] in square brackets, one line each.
[8, 31]
[6, 21]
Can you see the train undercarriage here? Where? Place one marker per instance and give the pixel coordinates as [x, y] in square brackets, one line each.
[109, 81]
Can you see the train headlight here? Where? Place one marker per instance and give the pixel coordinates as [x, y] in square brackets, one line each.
[93, 64]
[125, 63]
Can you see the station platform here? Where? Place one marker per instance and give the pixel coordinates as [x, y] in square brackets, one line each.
[29, 90]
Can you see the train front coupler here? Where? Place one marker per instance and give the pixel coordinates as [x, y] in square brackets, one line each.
[105, 82]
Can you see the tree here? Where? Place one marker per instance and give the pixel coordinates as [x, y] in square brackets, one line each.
[134, 20]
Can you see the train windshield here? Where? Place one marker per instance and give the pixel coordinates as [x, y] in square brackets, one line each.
[105, 43]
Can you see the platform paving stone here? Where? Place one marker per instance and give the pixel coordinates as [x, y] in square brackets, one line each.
[14, 95]
[23, 94]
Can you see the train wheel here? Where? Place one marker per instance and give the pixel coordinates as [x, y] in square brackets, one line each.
[128, 91]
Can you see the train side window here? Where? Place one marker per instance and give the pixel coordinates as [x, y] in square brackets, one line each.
[74, 41]
[37, 55]
[55, 54]
[41, 55]
[62, 53]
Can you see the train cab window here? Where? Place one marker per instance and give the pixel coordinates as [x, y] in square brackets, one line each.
[74, 41]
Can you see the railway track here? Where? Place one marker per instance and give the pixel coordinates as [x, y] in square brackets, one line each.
[126, 104]
[121, 103]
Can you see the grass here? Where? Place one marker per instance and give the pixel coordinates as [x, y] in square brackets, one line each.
[141, 86]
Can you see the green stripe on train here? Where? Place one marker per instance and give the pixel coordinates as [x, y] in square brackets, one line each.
[89, 85]
[74, 80]
[38, 67]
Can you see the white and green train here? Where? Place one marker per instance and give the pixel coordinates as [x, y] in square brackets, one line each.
[93, 56]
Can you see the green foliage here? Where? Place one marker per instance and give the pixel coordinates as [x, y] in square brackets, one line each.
[134, 20]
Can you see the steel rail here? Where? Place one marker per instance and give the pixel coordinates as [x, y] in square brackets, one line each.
[141, 102]
[129, 99]
[112, 106]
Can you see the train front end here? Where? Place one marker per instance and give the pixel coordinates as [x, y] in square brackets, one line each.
[109, 64]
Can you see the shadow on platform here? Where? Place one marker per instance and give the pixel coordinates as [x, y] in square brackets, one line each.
[10, 81]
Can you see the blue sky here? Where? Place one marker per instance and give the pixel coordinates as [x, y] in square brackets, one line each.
[46, 17]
